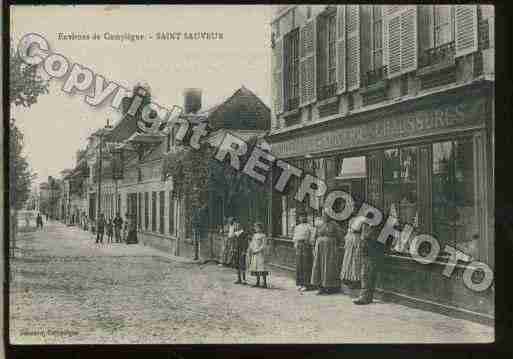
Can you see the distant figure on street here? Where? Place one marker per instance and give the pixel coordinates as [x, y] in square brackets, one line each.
[241, 248]
[303, 243]
[118, 224]
[229, 244]
[110, 230]
[125, 228]
[100, 228]
[132, 231]
[257, 255]
[39, 221]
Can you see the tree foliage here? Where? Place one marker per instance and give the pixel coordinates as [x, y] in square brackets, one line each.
[20, 175]
[25, 85]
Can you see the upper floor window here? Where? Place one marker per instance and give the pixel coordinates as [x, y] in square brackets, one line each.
[331, 61]
[443, 24]
[291, 49]
[326, 54]
[377, 37]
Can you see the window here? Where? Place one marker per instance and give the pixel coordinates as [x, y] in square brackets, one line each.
[161, 212]
[377, 37]
[308, 12]
[291, 47]
[146, 210]
[400, 183]
[289, 207]
[332, 60]
[171, 213]
[154, 211]
[327, 58]
[443, 22]
[454, 210]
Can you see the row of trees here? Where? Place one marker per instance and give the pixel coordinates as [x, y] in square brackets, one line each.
[25, 86]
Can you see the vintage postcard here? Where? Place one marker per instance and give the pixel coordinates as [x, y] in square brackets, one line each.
[233, 174]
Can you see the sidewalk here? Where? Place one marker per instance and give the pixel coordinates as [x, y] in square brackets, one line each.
[123, 294]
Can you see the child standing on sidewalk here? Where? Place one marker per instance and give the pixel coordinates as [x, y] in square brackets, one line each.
[257, 255]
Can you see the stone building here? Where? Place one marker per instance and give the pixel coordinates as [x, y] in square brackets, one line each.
[393, 104]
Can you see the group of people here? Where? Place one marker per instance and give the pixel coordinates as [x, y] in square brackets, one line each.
[319, 265]
[247, 253]
[115, 229]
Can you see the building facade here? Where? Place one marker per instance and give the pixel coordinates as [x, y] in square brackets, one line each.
[393, 104]
[162, 215]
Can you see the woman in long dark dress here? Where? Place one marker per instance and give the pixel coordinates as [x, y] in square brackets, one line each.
[326, 268]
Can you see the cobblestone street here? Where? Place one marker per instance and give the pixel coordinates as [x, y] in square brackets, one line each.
[67, 289]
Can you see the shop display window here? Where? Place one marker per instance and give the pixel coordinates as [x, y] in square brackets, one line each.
[454, 209]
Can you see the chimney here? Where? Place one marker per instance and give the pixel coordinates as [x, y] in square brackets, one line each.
[191, 100]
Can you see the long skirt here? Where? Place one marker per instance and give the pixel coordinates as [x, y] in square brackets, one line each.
[229, 252]
[352, 263]
[304, 262]
[325, 271]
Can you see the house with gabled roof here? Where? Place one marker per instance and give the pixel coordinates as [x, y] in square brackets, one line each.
[142, 194]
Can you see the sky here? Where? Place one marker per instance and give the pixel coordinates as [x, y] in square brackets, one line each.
[58, 124]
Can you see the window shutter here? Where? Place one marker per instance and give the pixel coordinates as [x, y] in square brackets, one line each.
[409, 47]
[466, 29]
[307, 41]
[393, 29]
[401, 38]
[341, 49]
[353, 46]
[278, 76]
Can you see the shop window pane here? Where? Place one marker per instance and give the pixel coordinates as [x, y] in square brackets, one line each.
[408, 203]
[391, 178]
[454, 214]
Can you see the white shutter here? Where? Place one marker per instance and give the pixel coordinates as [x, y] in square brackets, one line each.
[307, 42]
[278, 77]
[401, 40]
[465, 29]
[409, 47]
[341, 49]
[353, 46]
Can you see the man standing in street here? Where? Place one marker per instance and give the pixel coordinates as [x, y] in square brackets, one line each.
[39, 221]
[372, 252]
[100, 228]
[118, 224]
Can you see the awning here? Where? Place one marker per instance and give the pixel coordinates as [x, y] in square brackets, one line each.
[353, 167]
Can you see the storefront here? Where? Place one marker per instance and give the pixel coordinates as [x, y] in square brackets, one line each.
[426, 160]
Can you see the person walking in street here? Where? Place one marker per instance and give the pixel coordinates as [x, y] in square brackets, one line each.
[39, 221]
[241, 246]
[118, 224]
[352, 262]
[303, 238]
[257, 255]
[326, 269]
[372, 259]
[100, 228]
[110, 230]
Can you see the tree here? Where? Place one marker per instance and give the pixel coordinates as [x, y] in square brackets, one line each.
[20, 175]
[25, 85]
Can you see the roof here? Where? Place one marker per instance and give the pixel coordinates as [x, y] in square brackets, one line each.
[243, 110]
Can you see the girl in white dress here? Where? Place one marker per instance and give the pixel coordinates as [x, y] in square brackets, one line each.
[257, 255]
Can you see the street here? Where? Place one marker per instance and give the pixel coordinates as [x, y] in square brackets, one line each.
[67, 289]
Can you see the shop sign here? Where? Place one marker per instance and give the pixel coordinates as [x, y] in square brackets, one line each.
[403, 125]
